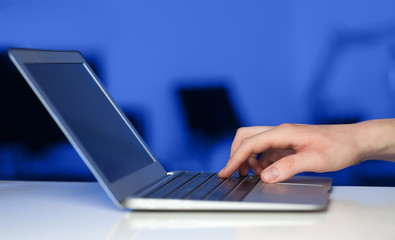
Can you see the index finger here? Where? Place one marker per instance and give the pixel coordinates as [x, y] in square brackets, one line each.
[245, 132]
[258, 143]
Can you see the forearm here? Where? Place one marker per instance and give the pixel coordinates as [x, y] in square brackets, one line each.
[377, 139]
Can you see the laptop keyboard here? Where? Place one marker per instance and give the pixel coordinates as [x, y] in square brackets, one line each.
[204, 186]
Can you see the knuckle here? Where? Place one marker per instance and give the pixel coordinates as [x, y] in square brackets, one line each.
[240, 131]
[245, 141]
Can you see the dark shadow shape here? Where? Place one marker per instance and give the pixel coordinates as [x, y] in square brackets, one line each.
[23, 119]
[209, 111]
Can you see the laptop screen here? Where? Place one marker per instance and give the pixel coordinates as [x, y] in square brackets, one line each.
[92, 119]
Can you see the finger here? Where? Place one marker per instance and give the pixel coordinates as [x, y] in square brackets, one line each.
[255, 144]
[244, 133]
[241, 134]
[255, 166]
[251, 163]
[287, 167]
[243, 169]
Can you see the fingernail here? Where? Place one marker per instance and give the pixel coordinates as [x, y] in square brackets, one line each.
[222, 171]
[270, 175]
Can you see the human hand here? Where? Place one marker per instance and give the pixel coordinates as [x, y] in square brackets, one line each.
[289, 149]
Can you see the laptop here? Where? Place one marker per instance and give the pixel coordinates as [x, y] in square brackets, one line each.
[122, 162]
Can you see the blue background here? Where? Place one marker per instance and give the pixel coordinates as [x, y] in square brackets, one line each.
[281, 61]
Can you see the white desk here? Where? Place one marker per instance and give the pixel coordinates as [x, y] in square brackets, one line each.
[52, 210]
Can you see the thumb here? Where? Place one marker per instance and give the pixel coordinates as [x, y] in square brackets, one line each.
[283, 169]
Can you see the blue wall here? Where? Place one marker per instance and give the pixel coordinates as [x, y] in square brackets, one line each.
[275, 57]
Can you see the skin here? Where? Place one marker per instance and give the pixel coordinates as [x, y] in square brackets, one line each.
[288, 149]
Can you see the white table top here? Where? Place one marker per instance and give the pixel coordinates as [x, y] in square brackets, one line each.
[56, 210]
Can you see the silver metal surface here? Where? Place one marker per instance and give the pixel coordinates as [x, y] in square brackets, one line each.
[293, 195]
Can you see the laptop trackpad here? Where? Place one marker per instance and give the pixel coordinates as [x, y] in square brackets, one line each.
[289, 193]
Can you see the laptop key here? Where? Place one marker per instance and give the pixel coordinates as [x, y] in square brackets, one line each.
[206, 188]
[242, 189]
[190, 186]
[173, 185]
[226, 187]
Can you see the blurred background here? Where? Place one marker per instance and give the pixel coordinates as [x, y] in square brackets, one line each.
[189, 73]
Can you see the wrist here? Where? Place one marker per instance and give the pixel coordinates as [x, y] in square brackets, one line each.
[376, 139]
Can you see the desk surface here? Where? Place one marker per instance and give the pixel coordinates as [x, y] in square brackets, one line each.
[55, 210]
